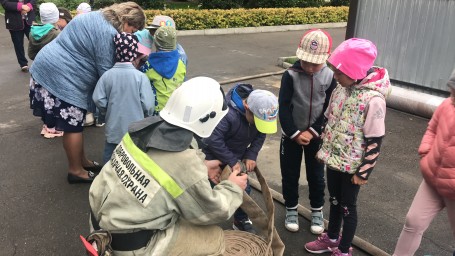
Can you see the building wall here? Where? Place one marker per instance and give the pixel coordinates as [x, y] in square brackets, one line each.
[415, 38]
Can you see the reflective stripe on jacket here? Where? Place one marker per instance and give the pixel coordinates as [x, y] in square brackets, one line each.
[154, 190]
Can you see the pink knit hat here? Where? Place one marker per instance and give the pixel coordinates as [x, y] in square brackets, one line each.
[354, 57]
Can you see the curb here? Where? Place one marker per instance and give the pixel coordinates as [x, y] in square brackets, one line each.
[247, 30]
[243, 78]
[306, 213]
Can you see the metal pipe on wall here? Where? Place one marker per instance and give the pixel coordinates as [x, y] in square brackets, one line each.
[413, 102]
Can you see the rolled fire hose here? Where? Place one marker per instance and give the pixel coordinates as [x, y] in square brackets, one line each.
[267, 242]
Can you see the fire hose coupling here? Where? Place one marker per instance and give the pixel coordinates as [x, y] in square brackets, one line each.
[98, 243]
[242, 168]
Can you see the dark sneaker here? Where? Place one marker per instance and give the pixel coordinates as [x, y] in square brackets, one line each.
[99, 123]
[322, 244]
[337, 252]
[89, 119]
[244, 225]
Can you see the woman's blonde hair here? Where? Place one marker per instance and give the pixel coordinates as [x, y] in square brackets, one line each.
[128, 12]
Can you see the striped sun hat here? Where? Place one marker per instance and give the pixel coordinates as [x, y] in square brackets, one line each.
[314, 47]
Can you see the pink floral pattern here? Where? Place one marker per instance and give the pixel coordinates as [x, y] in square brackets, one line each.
[343, 139]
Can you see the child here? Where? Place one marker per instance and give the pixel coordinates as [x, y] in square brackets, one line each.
[93, 115]
[436, 192]
[122, 93]
[83, 8]
[42, 34]
[236, 139]
[352, 138]
[164, 68]
[64, 18]
[304, 95]
[146, 39]
[163, 20]
[144, 47]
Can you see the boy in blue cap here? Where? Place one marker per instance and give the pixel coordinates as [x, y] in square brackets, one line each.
[239, 136]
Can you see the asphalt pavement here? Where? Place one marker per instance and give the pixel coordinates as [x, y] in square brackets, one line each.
[42, 214]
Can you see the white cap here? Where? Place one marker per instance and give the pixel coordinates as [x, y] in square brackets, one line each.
[160, 21]
[84, 8]
[49, 13]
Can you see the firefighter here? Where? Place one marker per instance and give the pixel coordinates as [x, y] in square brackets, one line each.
[153, 195]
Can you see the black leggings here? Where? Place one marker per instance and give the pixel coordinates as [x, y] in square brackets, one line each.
[343, 207]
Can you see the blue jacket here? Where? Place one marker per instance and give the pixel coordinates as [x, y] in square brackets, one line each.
[125, 95]
[233, 138]
[69, 66]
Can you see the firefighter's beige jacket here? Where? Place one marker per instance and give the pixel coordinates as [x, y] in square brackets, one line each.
[164, 191]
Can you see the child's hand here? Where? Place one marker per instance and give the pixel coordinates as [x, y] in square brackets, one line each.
[358, 181]
[213, 170]
[237, 167]
[239, 179]
[214, 175]
[250, 165]
[25, 8]
[304, 138]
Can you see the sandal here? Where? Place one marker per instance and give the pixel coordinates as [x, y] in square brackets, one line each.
[96, 167]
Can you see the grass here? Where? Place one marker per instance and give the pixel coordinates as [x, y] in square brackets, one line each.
[291, 60]
[181, 5]
[2, 11]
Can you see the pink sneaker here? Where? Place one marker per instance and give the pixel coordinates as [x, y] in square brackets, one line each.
[52, 133]
[322, 244]
[337, 252]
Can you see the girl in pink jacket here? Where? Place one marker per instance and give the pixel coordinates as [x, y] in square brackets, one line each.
[437, 190]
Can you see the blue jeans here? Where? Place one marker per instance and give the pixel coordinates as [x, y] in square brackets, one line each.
[108, 150]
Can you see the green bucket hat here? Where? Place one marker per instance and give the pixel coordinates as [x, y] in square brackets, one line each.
[165, 38]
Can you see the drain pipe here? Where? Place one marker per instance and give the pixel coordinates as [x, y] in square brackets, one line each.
[243, 78]
[413, 102]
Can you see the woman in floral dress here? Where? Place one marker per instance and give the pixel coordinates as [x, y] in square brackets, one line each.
[65, 72]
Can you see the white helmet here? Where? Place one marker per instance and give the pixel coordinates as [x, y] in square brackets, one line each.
[197, 105]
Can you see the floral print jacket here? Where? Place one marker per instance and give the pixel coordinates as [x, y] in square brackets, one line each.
[343, 145]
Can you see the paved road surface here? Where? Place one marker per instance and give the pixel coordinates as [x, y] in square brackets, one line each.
[42, 214]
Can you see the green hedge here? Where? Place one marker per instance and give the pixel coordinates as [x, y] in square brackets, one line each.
[97, 4]
[234, 18]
